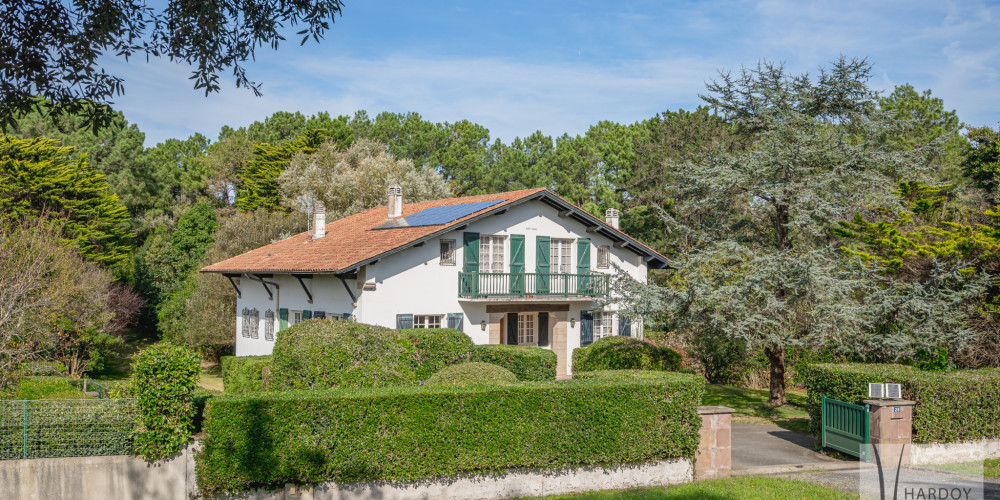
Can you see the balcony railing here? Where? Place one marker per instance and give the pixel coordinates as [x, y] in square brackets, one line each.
[481, 285]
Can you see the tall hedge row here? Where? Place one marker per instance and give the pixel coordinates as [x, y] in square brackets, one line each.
[164, 378]
[625, 353]
[243, 374]
[951, 406]
[411, 433]
[529, 364]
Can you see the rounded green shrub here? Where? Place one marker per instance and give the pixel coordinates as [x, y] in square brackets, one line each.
[164, 378]
[437, 348]
[529, 364]
[625, 353]
[472, 373]
[243, 374]
[321, 354]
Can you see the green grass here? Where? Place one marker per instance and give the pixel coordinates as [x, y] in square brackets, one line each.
[747, 487]
[752, 407]
[211, 377]
[990, 468]
[49, 387]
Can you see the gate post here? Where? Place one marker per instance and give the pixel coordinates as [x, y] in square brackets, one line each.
[891, 423]
[714, 457]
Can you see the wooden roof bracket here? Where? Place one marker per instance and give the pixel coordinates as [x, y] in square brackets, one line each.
[270, 296]
[299, 277]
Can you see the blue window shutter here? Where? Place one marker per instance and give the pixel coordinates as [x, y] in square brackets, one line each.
[403, 321]
[307, 315]
[512, 329]
[348, 316]
[455, 320]
[624, 326]
[319, 314]
[586, 328]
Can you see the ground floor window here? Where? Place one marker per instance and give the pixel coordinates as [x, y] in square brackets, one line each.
[603, 324]
[526, 334]
[427, 321]
[246, 323]
[294, 317]
[269, 325]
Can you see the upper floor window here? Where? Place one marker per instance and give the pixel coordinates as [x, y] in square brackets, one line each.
[603, 257]
[491, 254]
[427, 321]
[447, 253]
[562, 255]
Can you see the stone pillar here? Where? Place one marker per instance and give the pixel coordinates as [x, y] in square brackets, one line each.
[558, 341]
[714, 457]
[891, 425]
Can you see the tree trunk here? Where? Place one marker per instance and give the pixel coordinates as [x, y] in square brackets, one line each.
[776, 356]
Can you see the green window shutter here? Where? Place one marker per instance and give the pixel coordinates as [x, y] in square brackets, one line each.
[307, 315]
[455, 320]
[517, 264]
[404, 321]
[624, 326]
[586, 328]
[583, 264]
[543, 329]
[283, 318]
[512, 329]
[469, 279]
[543, 251]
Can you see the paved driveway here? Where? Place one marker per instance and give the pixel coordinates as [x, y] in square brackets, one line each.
[763, 445]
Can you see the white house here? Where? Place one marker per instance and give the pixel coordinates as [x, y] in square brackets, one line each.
[522, 267]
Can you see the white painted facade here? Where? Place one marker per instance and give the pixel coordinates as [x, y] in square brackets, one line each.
[414, 281]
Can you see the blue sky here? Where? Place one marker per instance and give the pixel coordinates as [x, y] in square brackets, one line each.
[516, 67]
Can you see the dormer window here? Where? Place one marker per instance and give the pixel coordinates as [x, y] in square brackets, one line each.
[447, 253]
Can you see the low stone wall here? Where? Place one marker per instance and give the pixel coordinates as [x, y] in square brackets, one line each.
[99, 478]
[944, 453]
[537, 482]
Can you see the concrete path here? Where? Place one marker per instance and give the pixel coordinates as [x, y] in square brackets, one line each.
[765, 445]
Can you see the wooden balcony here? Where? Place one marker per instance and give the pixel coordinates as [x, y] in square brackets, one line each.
[527, 285]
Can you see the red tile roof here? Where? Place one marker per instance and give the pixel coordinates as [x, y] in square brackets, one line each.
[353, 240]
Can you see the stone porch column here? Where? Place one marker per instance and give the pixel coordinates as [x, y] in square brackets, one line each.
[714, 458]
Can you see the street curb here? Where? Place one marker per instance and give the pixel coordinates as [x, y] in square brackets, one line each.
[785, 469]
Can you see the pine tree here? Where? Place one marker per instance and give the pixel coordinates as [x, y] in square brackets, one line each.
[38, 177]
[259, 189]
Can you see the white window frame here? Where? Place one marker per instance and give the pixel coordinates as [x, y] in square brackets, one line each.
[561, 252]
[603, 257]
[491, 248]
[604, 324]
[428, 320]
[292, 319]
[447, 253]
[527, 329]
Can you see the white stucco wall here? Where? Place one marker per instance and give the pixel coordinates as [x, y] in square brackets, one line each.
[414, 282]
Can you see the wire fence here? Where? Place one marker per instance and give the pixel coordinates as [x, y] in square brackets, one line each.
[66, 428]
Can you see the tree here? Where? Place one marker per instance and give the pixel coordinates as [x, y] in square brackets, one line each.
[982, 161]
[259, 180]
[53, 48]
[350, 181]
[38, 176]
[760, 218]
[925, 122]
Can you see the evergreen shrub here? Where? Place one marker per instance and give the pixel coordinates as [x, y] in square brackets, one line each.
[472, 373]
[950, 406]
[625, 353]
[412, 433]
[529, 364]
[164, 378]
[322, 354]
[243, 374]
[436, 348]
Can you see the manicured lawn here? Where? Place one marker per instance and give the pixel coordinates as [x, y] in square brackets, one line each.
[747, 487]
[211, 377]
[991, 468]
[51, 387]
[751, 406]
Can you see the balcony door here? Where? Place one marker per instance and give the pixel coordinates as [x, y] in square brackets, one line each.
[561, 251]
[491, 266]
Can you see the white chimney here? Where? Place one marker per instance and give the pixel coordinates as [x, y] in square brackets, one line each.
[395, 201]
[319, 220]
[611, 217]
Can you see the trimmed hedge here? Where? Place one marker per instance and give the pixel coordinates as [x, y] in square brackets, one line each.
[245, 374]
[411, 433]
[951, 406]
[436, 349]
[164, 378]
[529, 364]
[472, 373]
[320, 354]
[625, 353]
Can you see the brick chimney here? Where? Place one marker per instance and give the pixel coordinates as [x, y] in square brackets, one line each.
[318, 220]
[395, 201]
[611, 217]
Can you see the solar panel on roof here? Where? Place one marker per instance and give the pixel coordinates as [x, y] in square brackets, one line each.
[439, 215]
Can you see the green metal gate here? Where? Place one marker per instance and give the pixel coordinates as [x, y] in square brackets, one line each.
[845, 427]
